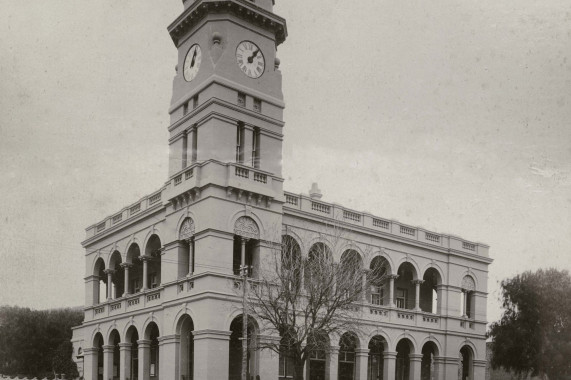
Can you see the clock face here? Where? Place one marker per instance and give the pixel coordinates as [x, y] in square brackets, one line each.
[250, 59]
[192, 62]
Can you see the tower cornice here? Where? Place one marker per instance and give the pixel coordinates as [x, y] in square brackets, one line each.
[240, 8]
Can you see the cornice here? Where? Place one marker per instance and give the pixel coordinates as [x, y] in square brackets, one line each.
[239, 8]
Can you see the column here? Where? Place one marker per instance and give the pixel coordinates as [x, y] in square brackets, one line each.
[269, 360]
[243, 254]
[145, 272]
[126, 267]
[91, 290]
[438, 367]
[364, 285]
[90, 363]
[417, 284]
[361, 361]
[125, 360]
[441, 301]
[392, 279]
[109, 273]
[390, 365]
[415, 365]
[108, 362]
[144, 359]
[169, 357]
[332, 364]
[211, 349]
[190, 256]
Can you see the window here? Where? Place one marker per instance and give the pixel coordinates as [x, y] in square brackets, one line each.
[240, 130]
[286, 364]
[153, 280]
[402, 295]
[377, 295]
[241, 99]
[256, 148]
[257, 105]
[136, 285]
[194, 151]
[185, 109]
[195, 101]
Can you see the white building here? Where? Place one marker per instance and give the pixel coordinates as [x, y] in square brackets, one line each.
[158, 304]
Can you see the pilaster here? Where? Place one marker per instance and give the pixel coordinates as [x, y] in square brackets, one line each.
[169, 357]
[211, 354]
[332, 365]
[108, 362]
[125, 360]
[90, 363]
[415, 366]
[144, 359]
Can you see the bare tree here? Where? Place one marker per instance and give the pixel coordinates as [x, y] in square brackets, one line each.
[306, 300]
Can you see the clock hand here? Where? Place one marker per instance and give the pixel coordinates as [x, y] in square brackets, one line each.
[193, 58]
[251, 58]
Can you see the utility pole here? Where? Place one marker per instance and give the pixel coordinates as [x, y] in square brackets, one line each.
[244, 272]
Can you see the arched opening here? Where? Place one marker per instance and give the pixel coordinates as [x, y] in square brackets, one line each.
[466, 363]
[114, 341]
[134, 270]
[467, 299]
[429, 301]
[98, 344]
[350, 274]
[152, 334]
[378, 275]
[317, 269]
[235, 354]
[246, 249]
[318, 344]
[346, 366]
[187, 251]
[100, 290]
[405, 291]
[402, 370]
[118, 277]
[291, 263]
[153, 258]
[132, 359]
[376, 361]
[186, 352]
[428, 366]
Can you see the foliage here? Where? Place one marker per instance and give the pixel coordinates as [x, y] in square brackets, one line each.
[310, 299]
[29, 339]
[534, 334]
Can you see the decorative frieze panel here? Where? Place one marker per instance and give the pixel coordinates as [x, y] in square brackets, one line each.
[468, 284]
[186, 229]
[246, 227]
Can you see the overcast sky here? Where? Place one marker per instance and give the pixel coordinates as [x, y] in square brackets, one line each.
[450, 115]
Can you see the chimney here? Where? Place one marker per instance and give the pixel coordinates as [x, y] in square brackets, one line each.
[314, 192]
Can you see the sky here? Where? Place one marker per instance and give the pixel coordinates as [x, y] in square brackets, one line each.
[450, 115]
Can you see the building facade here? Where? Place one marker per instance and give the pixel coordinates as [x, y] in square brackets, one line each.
[159, 300]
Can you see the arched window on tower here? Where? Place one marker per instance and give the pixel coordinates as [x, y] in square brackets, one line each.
[246, 246]
[467, 300]
[186, 258]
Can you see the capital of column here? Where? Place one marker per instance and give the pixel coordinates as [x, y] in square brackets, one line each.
[334, 350]
[109, 271]
[392, 276]
[211, 334]
[415, 357]
[145, 258]
[125, 346]
[390, 355]
[362, 352]
[90, 351]
[169, 339]
[125, 265]
[144, 343]
[417, 282]
[108, 348]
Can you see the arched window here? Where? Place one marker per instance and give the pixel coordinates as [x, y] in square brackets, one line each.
[235, 354]
[133, 361]
[466, 363]
[118, 277]
[347, 346]
[186, 352]
[291, 263]
[154, 358]
[187, 254]
[100, 290]
[318, 344]
[375, 368]
[318, 266]
[114, 340]
[98, 344]
[134, 270]
[246, 246]
[427, 366]
[405, 292]
[286, 364]
[467, 299]
[350, 273]
[153, 259]
[429, 301]
[378, 275]
[402, 370]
